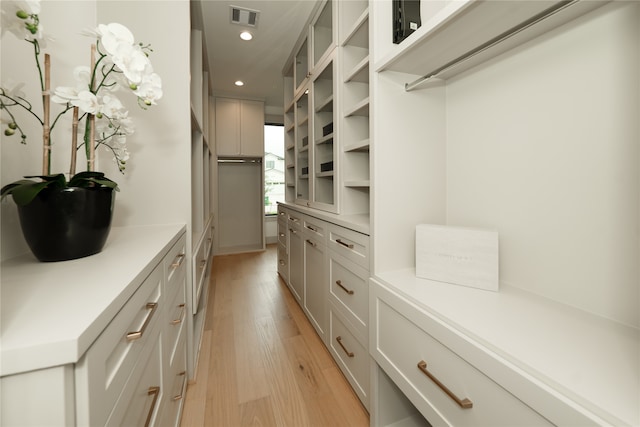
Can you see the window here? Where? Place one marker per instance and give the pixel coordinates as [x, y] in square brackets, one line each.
[273, 168]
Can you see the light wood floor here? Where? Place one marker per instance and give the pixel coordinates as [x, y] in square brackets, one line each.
[261, 362]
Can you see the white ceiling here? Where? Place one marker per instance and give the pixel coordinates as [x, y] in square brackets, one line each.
[258, 62]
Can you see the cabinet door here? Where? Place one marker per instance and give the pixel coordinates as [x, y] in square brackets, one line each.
[315, 289]
[296, 263]
[227, 127]
[252, 128]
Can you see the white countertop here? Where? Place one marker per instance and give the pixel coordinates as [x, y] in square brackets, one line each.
[593, 361]
[52, 312]
[356, 222]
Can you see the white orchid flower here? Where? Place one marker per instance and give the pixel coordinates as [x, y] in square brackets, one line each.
[150, 89]
[132, 61]
[111, 106]
[113, 35]
[17, 18]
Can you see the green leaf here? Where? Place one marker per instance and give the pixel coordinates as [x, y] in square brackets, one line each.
[24, 193]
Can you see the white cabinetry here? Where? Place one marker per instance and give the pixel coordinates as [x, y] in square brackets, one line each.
[296, 256]
[328, 275]
[315, 274]
[119, 356]
[239, 127]
[327, 111]
[473, 164]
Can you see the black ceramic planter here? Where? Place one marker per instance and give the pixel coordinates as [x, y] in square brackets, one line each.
[68, 223]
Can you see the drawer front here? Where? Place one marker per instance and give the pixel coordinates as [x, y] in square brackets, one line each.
[143, 395]
[104, 369]
[283, 214]
[349, 291]
[283, 262]
[352, 357]
[175, 320]
[176, 388]
[295, 220]
[175, 266]
[315, 229]
[282, 232]
[445, 388]
[350, 244]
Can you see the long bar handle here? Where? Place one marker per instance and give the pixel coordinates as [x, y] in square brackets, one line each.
[179, 319]
[463, 403]
[349, 353]
[339, 283]
[151, 306]
[311, 243]
[155, 392]
[177, 397]
[203, 263]
[311, 228]
[177, 261]
[347, 245]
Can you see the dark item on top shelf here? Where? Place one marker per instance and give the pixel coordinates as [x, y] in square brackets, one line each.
[406, 18]
[305, 170]
[305, 141]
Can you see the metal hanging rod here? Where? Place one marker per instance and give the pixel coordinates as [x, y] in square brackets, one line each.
[491, 43]
[239, 160]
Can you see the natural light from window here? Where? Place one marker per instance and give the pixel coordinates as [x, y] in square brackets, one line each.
[273, 168]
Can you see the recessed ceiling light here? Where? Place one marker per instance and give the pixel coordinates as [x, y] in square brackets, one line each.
[239, 83]
[246, 35]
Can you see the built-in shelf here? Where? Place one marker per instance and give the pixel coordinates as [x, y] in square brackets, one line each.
[325, 105]
[359, 33]
[326, 174]
[291, 166]
[358, 183]
[325, 139]
[459, 27]
[360, 72]
[303, 149]
[290, 127]
[360, 109]
[303, 121]
[358, 146]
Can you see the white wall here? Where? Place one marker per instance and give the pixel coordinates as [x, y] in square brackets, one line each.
[543, 145]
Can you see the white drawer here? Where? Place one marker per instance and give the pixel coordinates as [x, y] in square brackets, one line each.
[283, 214]
[352, 357]
[295, 219]
[175, 320]
[314, 228]
[349, 291]
[175, 267]
[283, 262]
[350, 244]
[104, 369]
[445, 388]
[176, 388]
[143, 395]
[282, 232]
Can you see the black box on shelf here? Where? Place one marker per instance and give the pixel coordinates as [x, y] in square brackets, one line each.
[327, 129]
[305, 170]
[305, 141]
[326, 166]
[406, 18]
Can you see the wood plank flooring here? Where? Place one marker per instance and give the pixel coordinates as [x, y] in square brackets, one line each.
[261, 361]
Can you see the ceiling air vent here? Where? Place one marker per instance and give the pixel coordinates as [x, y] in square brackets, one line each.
[246, 17]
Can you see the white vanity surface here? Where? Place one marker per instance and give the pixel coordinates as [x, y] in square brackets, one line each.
[574, 355]
[52, 312]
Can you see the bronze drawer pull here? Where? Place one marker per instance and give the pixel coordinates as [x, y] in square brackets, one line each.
[339, 283]
[347, 245]
[339, 339]
[463, 403]
[311, 243]
[177, 261]
[132, 336]
[179, 319]
[155, 391]
[177, 397]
